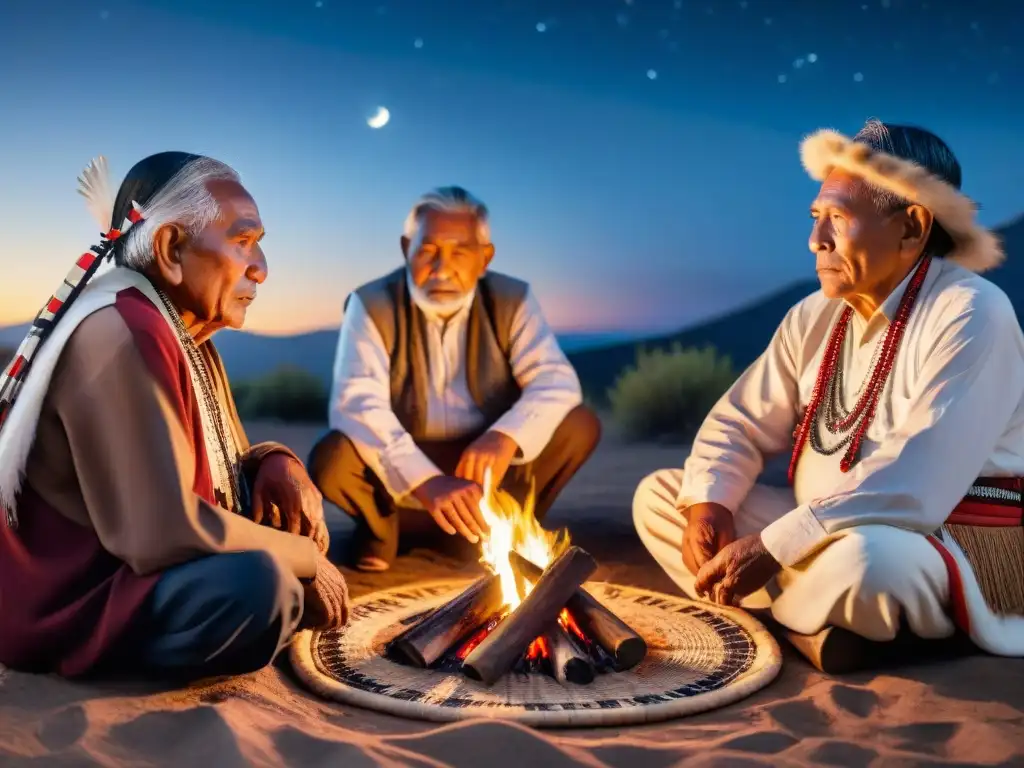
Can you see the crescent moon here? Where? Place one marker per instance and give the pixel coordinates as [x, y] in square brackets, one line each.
[380, 119]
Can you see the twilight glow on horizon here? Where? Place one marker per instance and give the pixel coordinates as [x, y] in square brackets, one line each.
[639, 157]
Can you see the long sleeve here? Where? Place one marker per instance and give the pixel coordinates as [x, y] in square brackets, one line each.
[549, 384]
[361, 406]
[753, 419]
[135, 464]
[970, 384]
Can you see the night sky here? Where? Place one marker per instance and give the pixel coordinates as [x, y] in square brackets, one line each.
[640, 157]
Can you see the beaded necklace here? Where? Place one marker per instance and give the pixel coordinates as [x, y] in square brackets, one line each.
[225, 461]
[827, 409]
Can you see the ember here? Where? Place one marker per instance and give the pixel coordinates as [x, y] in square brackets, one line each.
[531, 615]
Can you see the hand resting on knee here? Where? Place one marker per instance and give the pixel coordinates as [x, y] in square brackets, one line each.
[325, 598]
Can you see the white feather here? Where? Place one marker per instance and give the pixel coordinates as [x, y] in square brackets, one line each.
[94, 186]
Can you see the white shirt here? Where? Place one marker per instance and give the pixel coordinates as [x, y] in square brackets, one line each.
[953, 411]
[361, 395]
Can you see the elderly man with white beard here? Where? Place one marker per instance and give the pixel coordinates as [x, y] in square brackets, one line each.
[445, 372]
[899, 389]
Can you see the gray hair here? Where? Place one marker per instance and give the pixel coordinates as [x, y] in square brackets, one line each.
[926, 150]
[185, 200]
[450, 200]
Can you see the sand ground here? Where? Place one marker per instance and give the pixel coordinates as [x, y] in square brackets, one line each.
[968, 711]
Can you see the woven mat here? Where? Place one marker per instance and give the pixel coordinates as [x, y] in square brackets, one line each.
[699, 657]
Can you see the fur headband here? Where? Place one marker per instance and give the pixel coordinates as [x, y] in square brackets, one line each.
[976, 248]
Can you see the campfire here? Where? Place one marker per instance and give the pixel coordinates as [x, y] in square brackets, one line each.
[530, 615]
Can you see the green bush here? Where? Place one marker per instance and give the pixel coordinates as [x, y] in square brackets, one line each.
[286, 394]
[667, 394]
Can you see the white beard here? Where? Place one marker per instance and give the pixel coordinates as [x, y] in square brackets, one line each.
[445, 308]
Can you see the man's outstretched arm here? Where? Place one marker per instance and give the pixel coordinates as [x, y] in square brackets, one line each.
[549, 384]
[361, 406]
[753, 419]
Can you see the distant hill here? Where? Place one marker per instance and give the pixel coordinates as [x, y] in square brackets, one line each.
[742, 335]
[599, 358]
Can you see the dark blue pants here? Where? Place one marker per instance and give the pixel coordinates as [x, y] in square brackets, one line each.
[219, 615]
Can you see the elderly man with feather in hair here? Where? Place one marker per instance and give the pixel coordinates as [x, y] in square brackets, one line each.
[899, 389]
[143, 532]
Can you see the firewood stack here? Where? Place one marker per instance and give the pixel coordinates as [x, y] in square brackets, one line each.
[558, 629]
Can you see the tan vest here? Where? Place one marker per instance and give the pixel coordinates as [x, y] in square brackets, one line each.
[402, 325]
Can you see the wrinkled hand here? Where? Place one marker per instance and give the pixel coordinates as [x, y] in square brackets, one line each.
[284, 497]
[326, 598]
[738, 570]
[493, 451]
[454, 503]
[709, 529]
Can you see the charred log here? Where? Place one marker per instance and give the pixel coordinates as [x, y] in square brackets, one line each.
[568, 661]
[428, 640]
[538, 611]
[595, 621]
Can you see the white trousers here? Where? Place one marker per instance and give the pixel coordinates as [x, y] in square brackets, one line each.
[863, 580]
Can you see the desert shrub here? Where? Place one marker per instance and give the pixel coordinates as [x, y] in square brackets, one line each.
[667, 394]
[285, 394]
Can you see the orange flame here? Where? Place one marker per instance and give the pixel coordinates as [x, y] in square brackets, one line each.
[514, 528]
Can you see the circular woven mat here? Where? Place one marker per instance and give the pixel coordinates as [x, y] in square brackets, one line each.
[699, 657]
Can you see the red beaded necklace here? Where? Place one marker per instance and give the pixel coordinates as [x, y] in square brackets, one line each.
[863, 412]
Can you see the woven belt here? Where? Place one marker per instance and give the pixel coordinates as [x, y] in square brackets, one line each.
[991, 502]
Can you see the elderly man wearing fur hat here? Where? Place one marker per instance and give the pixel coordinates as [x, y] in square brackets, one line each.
[899, 389]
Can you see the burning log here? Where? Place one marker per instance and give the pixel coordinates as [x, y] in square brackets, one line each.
[427, 641]
[596, 622]
[568, 661]
[500, 650]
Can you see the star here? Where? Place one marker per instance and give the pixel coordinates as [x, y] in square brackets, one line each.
[798, 63]
[768, 21]
[541, 26]
[812, 57]
[622, 19]
[104, 15]
[782, 78]
[417, 43]
[858, 77]
[652, 74]
[319, 3]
